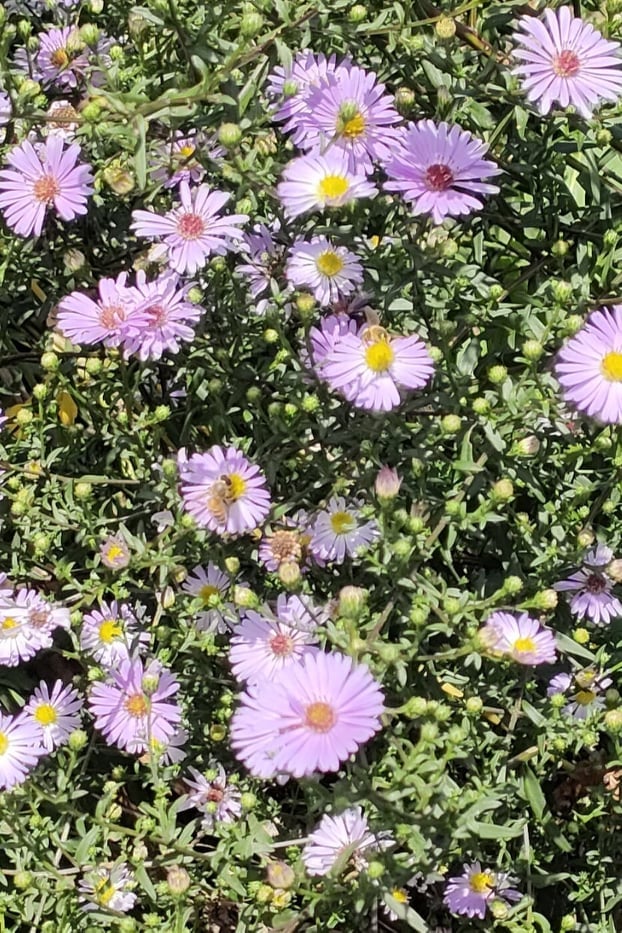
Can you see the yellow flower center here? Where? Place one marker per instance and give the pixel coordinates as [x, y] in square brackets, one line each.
[237, 487]
[379, 356]
[320, 717]
[109, 630]
[584, 697]
[9, 623]
[524, 645]
[137, 705]
[114, 552]
[329, 263]
[354, 127]
[206, 592]
[59, 58]
[333, 186]
[481, 882]
[104, 892]
[45, 714]
[400, 895]
[342, 522]
[611, 366]
[4, 743]
[186, 151]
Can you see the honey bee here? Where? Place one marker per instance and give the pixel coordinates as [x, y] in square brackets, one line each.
[219, 499]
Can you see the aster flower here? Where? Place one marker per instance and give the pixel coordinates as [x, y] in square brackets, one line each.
[114, 552]
[18, 640]
[287, 545]
[177, 161]
[439, 169]
[401, 898]
[42, 617]
[211, 585]
[339, 533]
[368, 367]
[192, 231]
[40, 179]
[107, 319]
[62, 119]
[350, 111]
[323, 339]
[565, 59]
[111, 634]
[387, 483]
[471, 893]
[344, 839]
[65, 59]
[134, 706]
[223, 491]
[519, 637]
[161, 318]
[592, 588]
[318, 713]
[55, 713]
[586, 690]
[20, 749]
[107, 888]
[319, 180]
[217, 800]
[589, 366]
[264, 645]
[263, 255]
[294, 85]
[329, 271]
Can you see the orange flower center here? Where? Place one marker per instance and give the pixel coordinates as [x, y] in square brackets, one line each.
[46, 188]
[137, 705]
[59, 58]
[320, 717]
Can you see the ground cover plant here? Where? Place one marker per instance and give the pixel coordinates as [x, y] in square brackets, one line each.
[311, 385]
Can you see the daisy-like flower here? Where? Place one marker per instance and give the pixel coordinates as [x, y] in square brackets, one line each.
[162, 317]
[287, 545]
[400, 896]
[592, 588]
[264, 645]
[107, 319]
[294, 84]
[217, 800]
[264, 256]
[471, 893]
[105, 888]
[370, 367]
[62, 119]
[40, 179]
[42, 617]
[55, 713]
[589, 366]
[177, 161]
[134, 706]
[114, 552]
[19, 641]
[339, 533]
[317, 714]
[211, 585]
[323, 339]
[439, 169]
[319, 180]
[586, 690]
[192, 231]
[223, 491]
[66, 60]
[331, 272]
[111, 634]
[566, 60]
[20, 749]
[343, 840]
[519, 637]
[350, 111]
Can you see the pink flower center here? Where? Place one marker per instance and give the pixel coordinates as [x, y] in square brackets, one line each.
[438, 177]
[320, 717]
[282, 645]
[215, 794]
[111, 316]
[190, 226]
[285, 545]
[156, 314]
[595, 583]
[46, 188]
[566, 64]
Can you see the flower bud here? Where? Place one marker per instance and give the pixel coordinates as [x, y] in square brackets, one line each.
[545, 600]
[244, 597]
[289, 573]
[445, 27]
[474, 706]
[532, 350]
[217, 732]
[24, 416]
[229, 135]
[612, 697]
[429, 732]
[498, 908]
[581, 636]
[22, 880]
[614, 570]
[357, 13]
[560, 248]
[562, 291]
[497, 374]
[352, 601]
[74, 260]
[251, 24]
[450, 424]
[585, 538]
[527, 446]
[387, 484]
[558, 700]
[567, 923]
[415, 707]
[280, 875]
[89, 34]
[502, 491]
[232, 565]
[512, 585]
[177, 879]
[481, 406]
[404, 100]
[119, 178]
[375, 870]
[603, 136]
[613, 721]
[263, 894]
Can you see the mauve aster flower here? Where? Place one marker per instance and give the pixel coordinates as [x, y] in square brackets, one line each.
[319, 180]
[192, 231]
[217, 800]
[62, 119]
[111, 634]
[42, 616]
[20, 749]
[592, 588]
[223, 491]
[586, 689]
[350, 111]
[470, 894]
[439, 169]
[286, 545]
[323, 339]
[264, 645]
[176, 161]
[345, 835]
[19, 641]
[339, 533]
[114, 552]
[294, 84]
[211, 586]
[105, 888]
[589, 366]
[55, 713]
[108, 320]
[161, 318]
[565, 59]
[519, 637]
[318, 713]
[134, 706]
[329, 271]
[264, 256]
[42, 178]
[370, 367]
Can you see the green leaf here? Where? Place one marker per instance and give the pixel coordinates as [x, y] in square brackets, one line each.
[532, 793]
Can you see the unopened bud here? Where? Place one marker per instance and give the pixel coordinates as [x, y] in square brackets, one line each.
[613, 721]
[280, 875]
[581, 636]
[177, 879]
[387, 484]
[502, 491]
[445, 27]
[229, 135]
[497, 374]
[352, 601]
[404, 100]
[545, 599]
